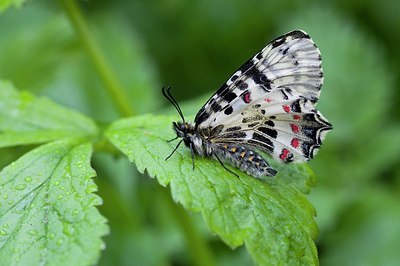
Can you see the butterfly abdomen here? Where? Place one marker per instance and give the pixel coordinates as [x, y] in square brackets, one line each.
[245, 159]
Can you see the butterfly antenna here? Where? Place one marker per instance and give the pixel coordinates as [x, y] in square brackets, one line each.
[167, 94]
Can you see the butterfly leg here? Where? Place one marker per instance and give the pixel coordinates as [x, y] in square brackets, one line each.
[219, 160]
[172, 139]
[179, 143]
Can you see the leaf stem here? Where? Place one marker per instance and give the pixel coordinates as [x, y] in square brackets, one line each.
[110, 81]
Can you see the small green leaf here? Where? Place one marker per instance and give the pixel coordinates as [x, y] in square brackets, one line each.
[25, 119]
[47, 213]
[272, 217]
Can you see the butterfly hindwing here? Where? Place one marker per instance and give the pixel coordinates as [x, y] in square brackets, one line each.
[290, 129]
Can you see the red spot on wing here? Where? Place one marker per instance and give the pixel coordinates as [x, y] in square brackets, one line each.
[268, 100]
[284, 154]
[296, 117]
[295, 128]
[246, 97]
[295, 142]
[286, 108]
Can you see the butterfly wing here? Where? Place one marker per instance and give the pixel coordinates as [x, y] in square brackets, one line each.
[269, 102]
[287, 127]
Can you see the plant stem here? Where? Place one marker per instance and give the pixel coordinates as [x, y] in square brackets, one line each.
[111, 83]
[199, 251]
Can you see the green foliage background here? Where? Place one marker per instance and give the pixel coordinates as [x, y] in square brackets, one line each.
[194, 46]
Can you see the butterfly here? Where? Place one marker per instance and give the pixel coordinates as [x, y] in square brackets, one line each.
[267, 105]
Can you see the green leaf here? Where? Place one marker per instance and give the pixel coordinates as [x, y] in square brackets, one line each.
[47, 213]
[272, 217]
[25, 119]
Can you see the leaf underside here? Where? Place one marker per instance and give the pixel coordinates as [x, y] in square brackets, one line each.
[272, 217]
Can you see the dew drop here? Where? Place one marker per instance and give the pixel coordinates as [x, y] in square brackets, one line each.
[33, 232]
[3, 232]
[52, 235]
[60, 241]
[28, 179]
[20, 187]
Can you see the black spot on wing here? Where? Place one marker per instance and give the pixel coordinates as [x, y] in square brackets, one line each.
[269, 123]
[268, 131]
[201, 118]
[229, 96]
[234, 77]
[243, 86]
[228, 110]
[296, 106]
[285, 51]
[279, 41]
[246, 66]
[215, 107]
[233, 128]
[285, 97]
[253, 124]
[298, 34]
[262, 79]
[262, 142]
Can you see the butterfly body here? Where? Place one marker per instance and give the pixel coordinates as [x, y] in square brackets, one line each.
[268, 104]
[201, 143]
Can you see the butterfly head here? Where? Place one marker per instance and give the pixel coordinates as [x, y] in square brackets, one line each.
[180, 128]
[183, 130]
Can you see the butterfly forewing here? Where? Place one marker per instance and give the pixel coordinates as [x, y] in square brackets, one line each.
[291, 61]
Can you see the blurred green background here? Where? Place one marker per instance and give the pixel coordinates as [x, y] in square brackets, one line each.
[194, 46]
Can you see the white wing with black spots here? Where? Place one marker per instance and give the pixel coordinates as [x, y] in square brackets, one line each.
[291, 62]
[268, 104]
[290, 129]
